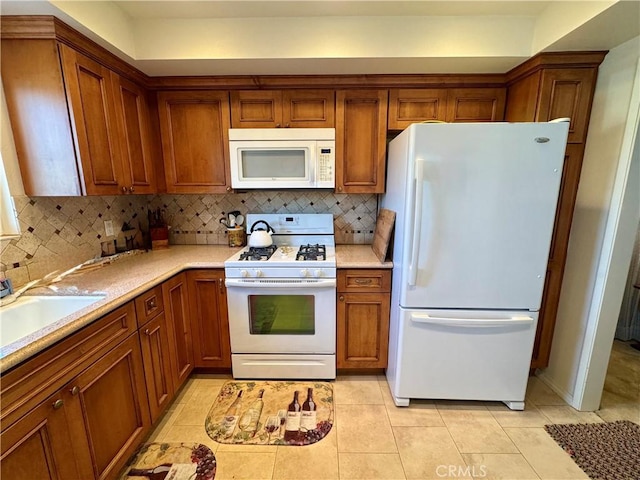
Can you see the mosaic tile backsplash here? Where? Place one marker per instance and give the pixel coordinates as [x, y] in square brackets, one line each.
[61, 232]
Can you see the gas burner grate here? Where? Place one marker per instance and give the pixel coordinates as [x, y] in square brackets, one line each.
[258, 254]
[312, 252]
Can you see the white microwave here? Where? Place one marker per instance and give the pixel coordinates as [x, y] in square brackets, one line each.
[274, 158]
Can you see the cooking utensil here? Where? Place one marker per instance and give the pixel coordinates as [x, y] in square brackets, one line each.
[224, 221]
[259, 236]
[239, 220]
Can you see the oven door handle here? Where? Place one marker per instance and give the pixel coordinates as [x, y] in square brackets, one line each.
[265, 283]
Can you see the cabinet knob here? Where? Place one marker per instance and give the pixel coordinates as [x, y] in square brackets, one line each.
[132, 189]
[341, 298]
[151, 303]
[75, 390]
[287, 125]
[339, 189]
[147, 332]
[124, 189]
[277, 125]
[221, 285]
[228, 189]
[58, 404]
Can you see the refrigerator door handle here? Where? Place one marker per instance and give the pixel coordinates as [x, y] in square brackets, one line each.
[471, 322]
[415, 243]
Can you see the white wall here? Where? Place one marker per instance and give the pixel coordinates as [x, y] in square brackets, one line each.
[608, 123]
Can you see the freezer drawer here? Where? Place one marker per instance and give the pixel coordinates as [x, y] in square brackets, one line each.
[462, 355]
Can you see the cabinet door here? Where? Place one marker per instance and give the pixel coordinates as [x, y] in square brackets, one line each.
[407, 106]
[176, 309]
[363, 330]
[568, 93]
[256, 109]
[476, 104]
[154, 342]
[209, 322]
[38, 446]
[90, 95]
[361, 133]
[108, 411]
[195, 141]
[308, 108]
[135, 128]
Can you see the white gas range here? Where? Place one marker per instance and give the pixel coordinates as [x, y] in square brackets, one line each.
[282, 300]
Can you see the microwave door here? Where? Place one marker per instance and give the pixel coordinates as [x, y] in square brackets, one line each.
[272, 164]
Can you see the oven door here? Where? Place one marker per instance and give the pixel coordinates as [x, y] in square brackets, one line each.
[282, 315]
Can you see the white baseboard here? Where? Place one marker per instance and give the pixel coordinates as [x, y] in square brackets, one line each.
[548, 381]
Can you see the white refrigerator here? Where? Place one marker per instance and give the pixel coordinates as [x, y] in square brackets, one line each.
[475, 206]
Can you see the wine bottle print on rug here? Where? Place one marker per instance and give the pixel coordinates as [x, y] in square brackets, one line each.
[271, 413]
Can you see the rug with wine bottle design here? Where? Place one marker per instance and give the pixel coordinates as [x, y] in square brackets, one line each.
[172, 461]
[271, 413]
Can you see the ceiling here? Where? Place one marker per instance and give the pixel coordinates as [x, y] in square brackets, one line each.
[262, 37]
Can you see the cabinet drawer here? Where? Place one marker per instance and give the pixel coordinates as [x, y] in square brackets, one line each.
[148, 305]
[364, 280]
[29, 383]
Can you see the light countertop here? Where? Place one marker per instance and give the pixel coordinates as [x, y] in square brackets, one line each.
[125, 279]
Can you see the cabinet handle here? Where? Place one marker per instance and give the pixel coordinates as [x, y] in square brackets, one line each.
[124, 189]
[151, 303]
[132, 189]
[363, 281]
[341, 298]
[75, 390]
[147, 332]
[58, 404]
[221, 285]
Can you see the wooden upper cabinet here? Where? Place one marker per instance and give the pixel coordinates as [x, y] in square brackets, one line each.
[476, 104]
[308, 108]
[90, 136]
[90, 93]
[287, 109]
[361, 133]
[407, 106]
[31, 71]
[567, 93]
[194, 126]
[132, 114]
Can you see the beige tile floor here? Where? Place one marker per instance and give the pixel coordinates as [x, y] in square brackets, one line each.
[372, 439]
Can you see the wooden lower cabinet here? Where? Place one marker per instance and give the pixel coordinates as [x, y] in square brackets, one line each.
[38, 446]
[107, 411]
[174, 292]
[363, 307]
[154, 342]
[209, 323]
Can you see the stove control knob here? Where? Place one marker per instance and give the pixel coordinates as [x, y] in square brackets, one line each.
[304, 272]
[258, 272]
[244, 273]
[318, 273]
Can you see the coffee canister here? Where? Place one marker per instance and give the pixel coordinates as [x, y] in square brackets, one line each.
[236, 236]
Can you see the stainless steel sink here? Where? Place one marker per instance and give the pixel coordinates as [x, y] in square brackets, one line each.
[28, 314]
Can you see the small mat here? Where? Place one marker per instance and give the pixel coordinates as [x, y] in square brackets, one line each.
[604, 451]
[172, 461]
[264, 413]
